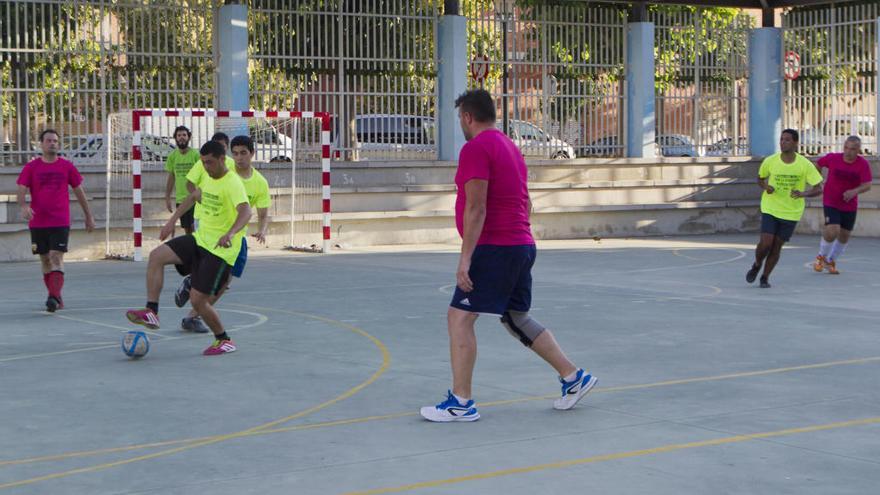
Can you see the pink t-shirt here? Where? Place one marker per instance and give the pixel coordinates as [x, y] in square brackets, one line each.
[492, 156]
[842, 177]
[50, 196]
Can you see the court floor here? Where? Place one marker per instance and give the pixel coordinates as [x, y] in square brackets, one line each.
[706, 384]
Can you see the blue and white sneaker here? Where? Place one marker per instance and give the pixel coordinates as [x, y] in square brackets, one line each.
[451, 410]
[181, 295]
[575, 390]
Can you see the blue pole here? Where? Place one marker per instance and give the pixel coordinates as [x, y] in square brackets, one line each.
[451, 82]
[640, 117]
[765, 90]
[232, 66]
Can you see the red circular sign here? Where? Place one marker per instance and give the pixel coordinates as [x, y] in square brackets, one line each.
[791, 65]
[480, 67]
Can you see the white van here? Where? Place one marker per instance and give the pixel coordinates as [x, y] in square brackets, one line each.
[271, 140]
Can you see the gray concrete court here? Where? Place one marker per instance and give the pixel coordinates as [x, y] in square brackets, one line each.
[337, 354]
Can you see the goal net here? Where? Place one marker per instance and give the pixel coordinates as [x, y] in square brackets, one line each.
[291, 149]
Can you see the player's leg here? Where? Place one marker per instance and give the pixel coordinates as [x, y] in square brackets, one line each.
[772, 260]
[847, 223]
[830, 231]
[210, 275]
[178, 251]
[765, 245]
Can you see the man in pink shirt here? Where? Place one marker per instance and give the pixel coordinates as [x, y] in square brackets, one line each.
[497, 253]
[848, 176]
[48, 215]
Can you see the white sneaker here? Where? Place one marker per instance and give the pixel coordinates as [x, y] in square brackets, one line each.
[575, 390]
[451, 410]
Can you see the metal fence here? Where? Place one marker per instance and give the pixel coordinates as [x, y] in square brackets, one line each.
[68, 65]
[831, 75]
[372, 65]
[556, 72]
[701, 71]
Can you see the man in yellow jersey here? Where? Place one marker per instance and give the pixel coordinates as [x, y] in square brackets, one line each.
[209, 253]
[257, 188]
[179, 163]
[783, 177]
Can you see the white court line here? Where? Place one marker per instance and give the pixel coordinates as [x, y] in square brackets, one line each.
[261, 319]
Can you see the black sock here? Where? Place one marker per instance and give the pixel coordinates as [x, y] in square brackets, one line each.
[154, 306]
[222, 337]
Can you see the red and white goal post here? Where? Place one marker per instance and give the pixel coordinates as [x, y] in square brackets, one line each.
[292, 150]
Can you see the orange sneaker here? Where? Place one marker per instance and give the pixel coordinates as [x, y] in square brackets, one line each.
[819, 265]
[832, 268]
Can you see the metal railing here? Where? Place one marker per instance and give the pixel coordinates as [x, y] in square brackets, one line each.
[701, 71]
[556, 72]
[371, 65]
[831, 75]
[68, 65]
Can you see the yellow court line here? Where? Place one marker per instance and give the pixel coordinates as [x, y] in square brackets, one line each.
[620, 455]
[386, 362]
[367, 419]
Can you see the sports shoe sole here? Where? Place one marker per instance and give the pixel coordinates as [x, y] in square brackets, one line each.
[580, 395]
[449, 419]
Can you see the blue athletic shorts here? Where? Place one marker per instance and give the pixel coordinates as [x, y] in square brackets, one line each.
[782, 229]
[238, 267]
[502, 277]
[846, 219]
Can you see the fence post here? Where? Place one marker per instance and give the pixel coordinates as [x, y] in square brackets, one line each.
[877, 89]
[765, 89]
[640, 116]
[232, 68]
[451, 82]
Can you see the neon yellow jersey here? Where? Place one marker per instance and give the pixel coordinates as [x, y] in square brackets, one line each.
[220, 198]
[785, 177]
[197, 173]
[180, 164]
[257, 188]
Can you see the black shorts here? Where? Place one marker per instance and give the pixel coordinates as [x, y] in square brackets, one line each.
[502, 277]
[187, 219]
[48, 239]
[782, 229]
[210, 273]
[846, 219]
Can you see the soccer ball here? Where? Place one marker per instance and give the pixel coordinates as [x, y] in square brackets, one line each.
[135, 344]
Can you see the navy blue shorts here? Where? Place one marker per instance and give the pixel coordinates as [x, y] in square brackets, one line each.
[238, 267]
[782, 229]
[846, 219]
[502, 277]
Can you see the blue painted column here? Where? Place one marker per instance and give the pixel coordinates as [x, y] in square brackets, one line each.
[765, 90]
[640, 117]
[877, 95]
[232, 64]
[451, 82]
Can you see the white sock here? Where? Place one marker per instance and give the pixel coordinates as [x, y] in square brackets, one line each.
[824, 247]
[570, 378]
[836, 250]
[461, 400]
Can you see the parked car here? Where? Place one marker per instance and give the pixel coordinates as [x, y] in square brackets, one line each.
[835, 131]
[90, 149]
[606, 146]
[534, 142]
[725, 147]
[676, 145]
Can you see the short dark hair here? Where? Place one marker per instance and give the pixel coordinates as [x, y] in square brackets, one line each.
[242, 141]
[212, 148]
[182, 128]
[794, 134]
[48, 131]
[220, 136]
[478, 103]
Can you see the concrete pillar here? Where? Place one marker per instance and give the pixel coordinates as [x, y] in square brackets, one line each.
[232, 65]
[640, 117]
[451, 82]
[877, 95]
[765, 90]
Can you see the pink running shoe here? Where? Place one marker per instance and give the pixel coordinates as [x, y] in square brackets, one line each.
[220, 347]
[144, 317]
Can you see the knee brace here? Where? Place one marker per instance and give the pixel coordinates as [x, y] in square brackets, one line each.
[522, 326]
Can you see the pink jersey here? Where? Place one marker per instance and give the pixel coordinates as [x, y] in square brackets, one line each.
[50, 196]
[842, 177]
[493, 157]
